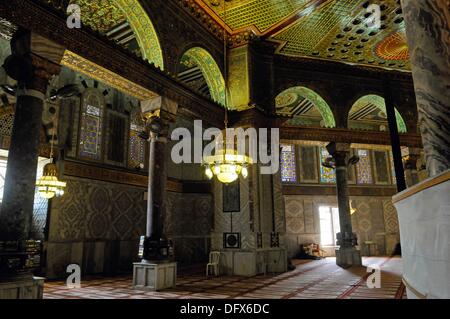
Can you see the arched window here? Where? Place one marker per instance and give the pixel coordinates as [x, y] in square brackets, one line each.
[306, 107]
[91, 124]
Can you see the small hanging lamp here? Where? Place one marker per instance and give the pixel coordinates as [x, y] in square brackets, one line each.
[48, 185]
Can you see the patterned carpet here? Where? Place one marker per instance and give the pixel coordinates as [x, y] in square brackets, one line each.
[316, 279]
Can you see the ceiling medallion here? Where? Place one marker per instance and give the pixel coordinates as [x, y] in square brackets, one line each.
[393, 47]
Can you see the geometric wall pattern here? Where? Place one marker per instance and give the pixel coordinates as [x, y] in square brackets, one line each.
[188, 224]
[98, 211]
[375, 220]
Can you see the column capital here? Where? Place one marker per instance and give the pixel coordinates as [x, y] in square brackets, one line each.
[340, 153]
[159, 106]
[33, 60]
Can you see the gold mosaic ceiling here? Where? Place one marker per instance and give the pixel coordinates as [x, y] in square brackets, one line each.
[100, 15]
[325, 29]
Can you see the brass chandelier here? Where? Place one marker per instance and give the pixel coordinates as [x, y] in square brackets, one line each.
[48, 185]
[226, 164]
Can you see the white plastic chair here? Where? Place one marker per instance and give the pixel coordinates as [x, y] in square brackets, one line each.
[214, 258]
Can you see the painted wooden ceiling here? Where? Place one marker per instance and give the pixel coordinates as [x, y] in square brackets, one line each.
[326, 29]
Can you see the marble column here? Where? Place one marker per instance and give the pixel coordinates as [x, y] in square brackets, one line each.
[34, 60]
[427, 30]
[347, 255]
[158, 112]
[156, 271]
[30, 67]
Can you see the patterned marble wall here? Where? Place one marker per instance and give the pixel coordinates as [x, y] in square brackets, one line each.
[97, 225]
[375, 220]
[188, 223]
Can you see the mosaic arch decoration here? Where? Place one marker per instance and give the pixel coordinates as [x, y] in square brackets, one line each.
[378, 101]
[210, 71]
[287, 100]
[102, 15]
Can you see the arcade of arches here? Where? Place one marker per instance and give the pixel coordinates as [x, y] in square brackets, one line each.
[364, 148]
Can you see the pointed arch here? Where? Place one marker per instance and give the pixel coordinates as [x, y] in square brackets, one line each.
[104, 15]
[144, 30]
[287, 102]
[372, 100]
[210, 71]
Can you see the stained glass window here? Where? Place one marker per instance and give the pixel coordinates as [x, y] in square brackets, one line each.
[136, 149]
[91, 132]
[288, 164]
[327, 175]
[364, 167]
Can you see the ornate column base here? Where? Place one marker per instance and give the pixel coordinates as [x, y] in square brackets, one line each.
[22, 287]
[154, 276]
[348, 256]
[155, 250]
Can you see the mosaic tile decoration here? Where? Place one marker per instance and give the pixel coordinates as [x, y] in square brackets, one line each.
[287, 100]
[262, 14]
[136, 152]
[342, 31]
[327, 175]
[103, 15]
[100, 15]
[379, 102]
[288, 164]
[210, 71]
[364, 167]
[394, 47]
[91, 130]
[6, 124]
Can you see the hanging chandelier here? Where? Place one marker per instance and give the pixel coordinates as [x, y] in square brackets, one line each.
[226, 164]
[48, 185]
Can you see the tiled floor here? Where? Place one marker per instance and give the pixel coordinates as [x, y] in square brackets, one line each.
[310, 279]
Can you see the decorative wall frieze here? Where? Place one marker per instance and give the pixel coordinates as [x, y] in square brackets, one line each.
[113, 175]
[346, 136]
[331, 190]
[82, 170]
[95, 71]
